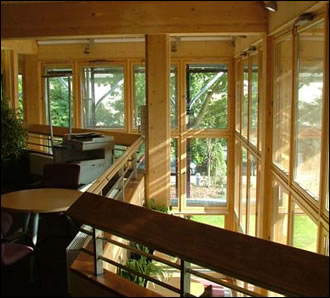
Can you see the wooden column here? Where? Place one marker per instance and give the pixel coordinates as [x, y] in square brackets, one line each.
[158, 118]
[9, 59]
[265, 203]
[32, 91]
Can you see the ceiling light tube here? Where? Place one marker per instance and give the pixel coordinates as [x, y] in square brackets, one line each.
[271, 6]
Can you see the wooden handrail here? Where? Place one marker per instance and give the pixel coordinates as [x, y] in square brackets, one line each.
[279, 268]
[125, 139]
[98, 185]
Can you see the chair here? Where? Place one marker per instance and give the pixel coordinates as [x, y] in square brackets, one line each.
[6, 222]
[12, 252]
[61, 175]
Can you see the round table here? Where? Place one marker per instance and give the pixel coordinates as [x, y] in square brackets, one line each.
[41, 200]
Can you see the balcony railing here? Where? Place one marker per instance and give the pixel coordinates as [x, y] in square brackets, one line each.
[271, 266]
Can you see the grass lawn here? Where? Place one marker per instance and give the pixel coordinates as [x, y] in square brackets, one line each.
[212, 220]
[304, 233]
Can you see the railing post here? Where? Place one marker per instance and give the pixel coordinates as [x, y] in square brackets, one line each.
[184, 278]
[98, 251]
[121, 184]
[134, 163]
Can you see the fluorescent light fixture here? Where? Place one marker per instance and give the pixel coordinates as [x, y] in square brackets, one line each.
[271, 6]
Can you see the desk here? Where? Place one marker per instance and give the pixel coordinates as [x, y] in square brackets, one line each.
[43, 200]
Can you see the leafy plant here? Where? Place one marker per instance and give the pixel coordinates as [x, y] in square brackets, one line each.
[142, 265]
[164, 209]
[13, 134]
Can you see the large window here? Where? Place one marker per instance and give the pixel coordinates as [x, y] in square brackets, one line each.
[243, 191]
[207, 96]
[304, 230]
[58, 85]
[140, 94]
[245, 98]
[282, 103]
[206, 172]
[252, 194]
[253, 119]
[103, 96]
[217, 221]
[309, 108]
[174, 173]
[280, 214]
[238, 65]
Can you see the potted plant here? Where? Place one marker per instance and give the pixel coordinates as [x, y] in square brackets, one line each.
[14, 161]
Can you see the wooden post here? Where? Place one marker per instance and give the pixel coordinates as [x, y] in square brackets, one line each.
[265, 198]
[9, 58]
[34, 105]
[158, 118]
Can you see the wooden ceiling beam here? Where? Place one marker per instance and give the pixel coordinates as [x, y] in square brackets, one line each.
[28, 47]
[78, 18]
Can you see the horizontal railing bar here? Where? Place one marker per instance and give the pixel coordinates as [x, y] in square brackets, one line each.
[118, 194]
[223, 283]
[87, 251]
[165, 285]
[38, 137]
[40, 152]
[42, 145]
[86, 231]
[171, 264]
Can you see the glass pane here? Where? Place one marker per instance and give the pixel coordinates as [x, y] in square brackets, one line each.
[261, 100]
[57, 92]
[280, 214]
[309, 109]
[173, 97]
[207, 98]
[174, 172]
[237, 176]
[254, 101]
[20, 97]
[253, 196]
[212, 220]
[206, 172]
[103, 97]
[282, 103]
[245, 105]
[238, 77]
[140, 94]
[304, 230]
[242, 210]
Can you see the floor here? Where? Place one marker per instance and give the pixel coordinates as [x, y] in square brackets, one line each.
[50, 277]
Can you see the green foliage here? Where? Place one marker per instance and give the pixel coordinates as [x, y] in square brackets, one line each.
[59, 102]
[13, 134]
[142, 265]
[210, 109]
[164, 209]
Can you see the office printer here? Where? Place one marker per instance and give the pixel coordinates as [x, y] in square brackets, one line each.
[92, 151]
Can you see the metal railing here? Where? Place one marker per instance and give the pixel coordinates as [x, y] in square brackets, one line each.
[262, 264]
